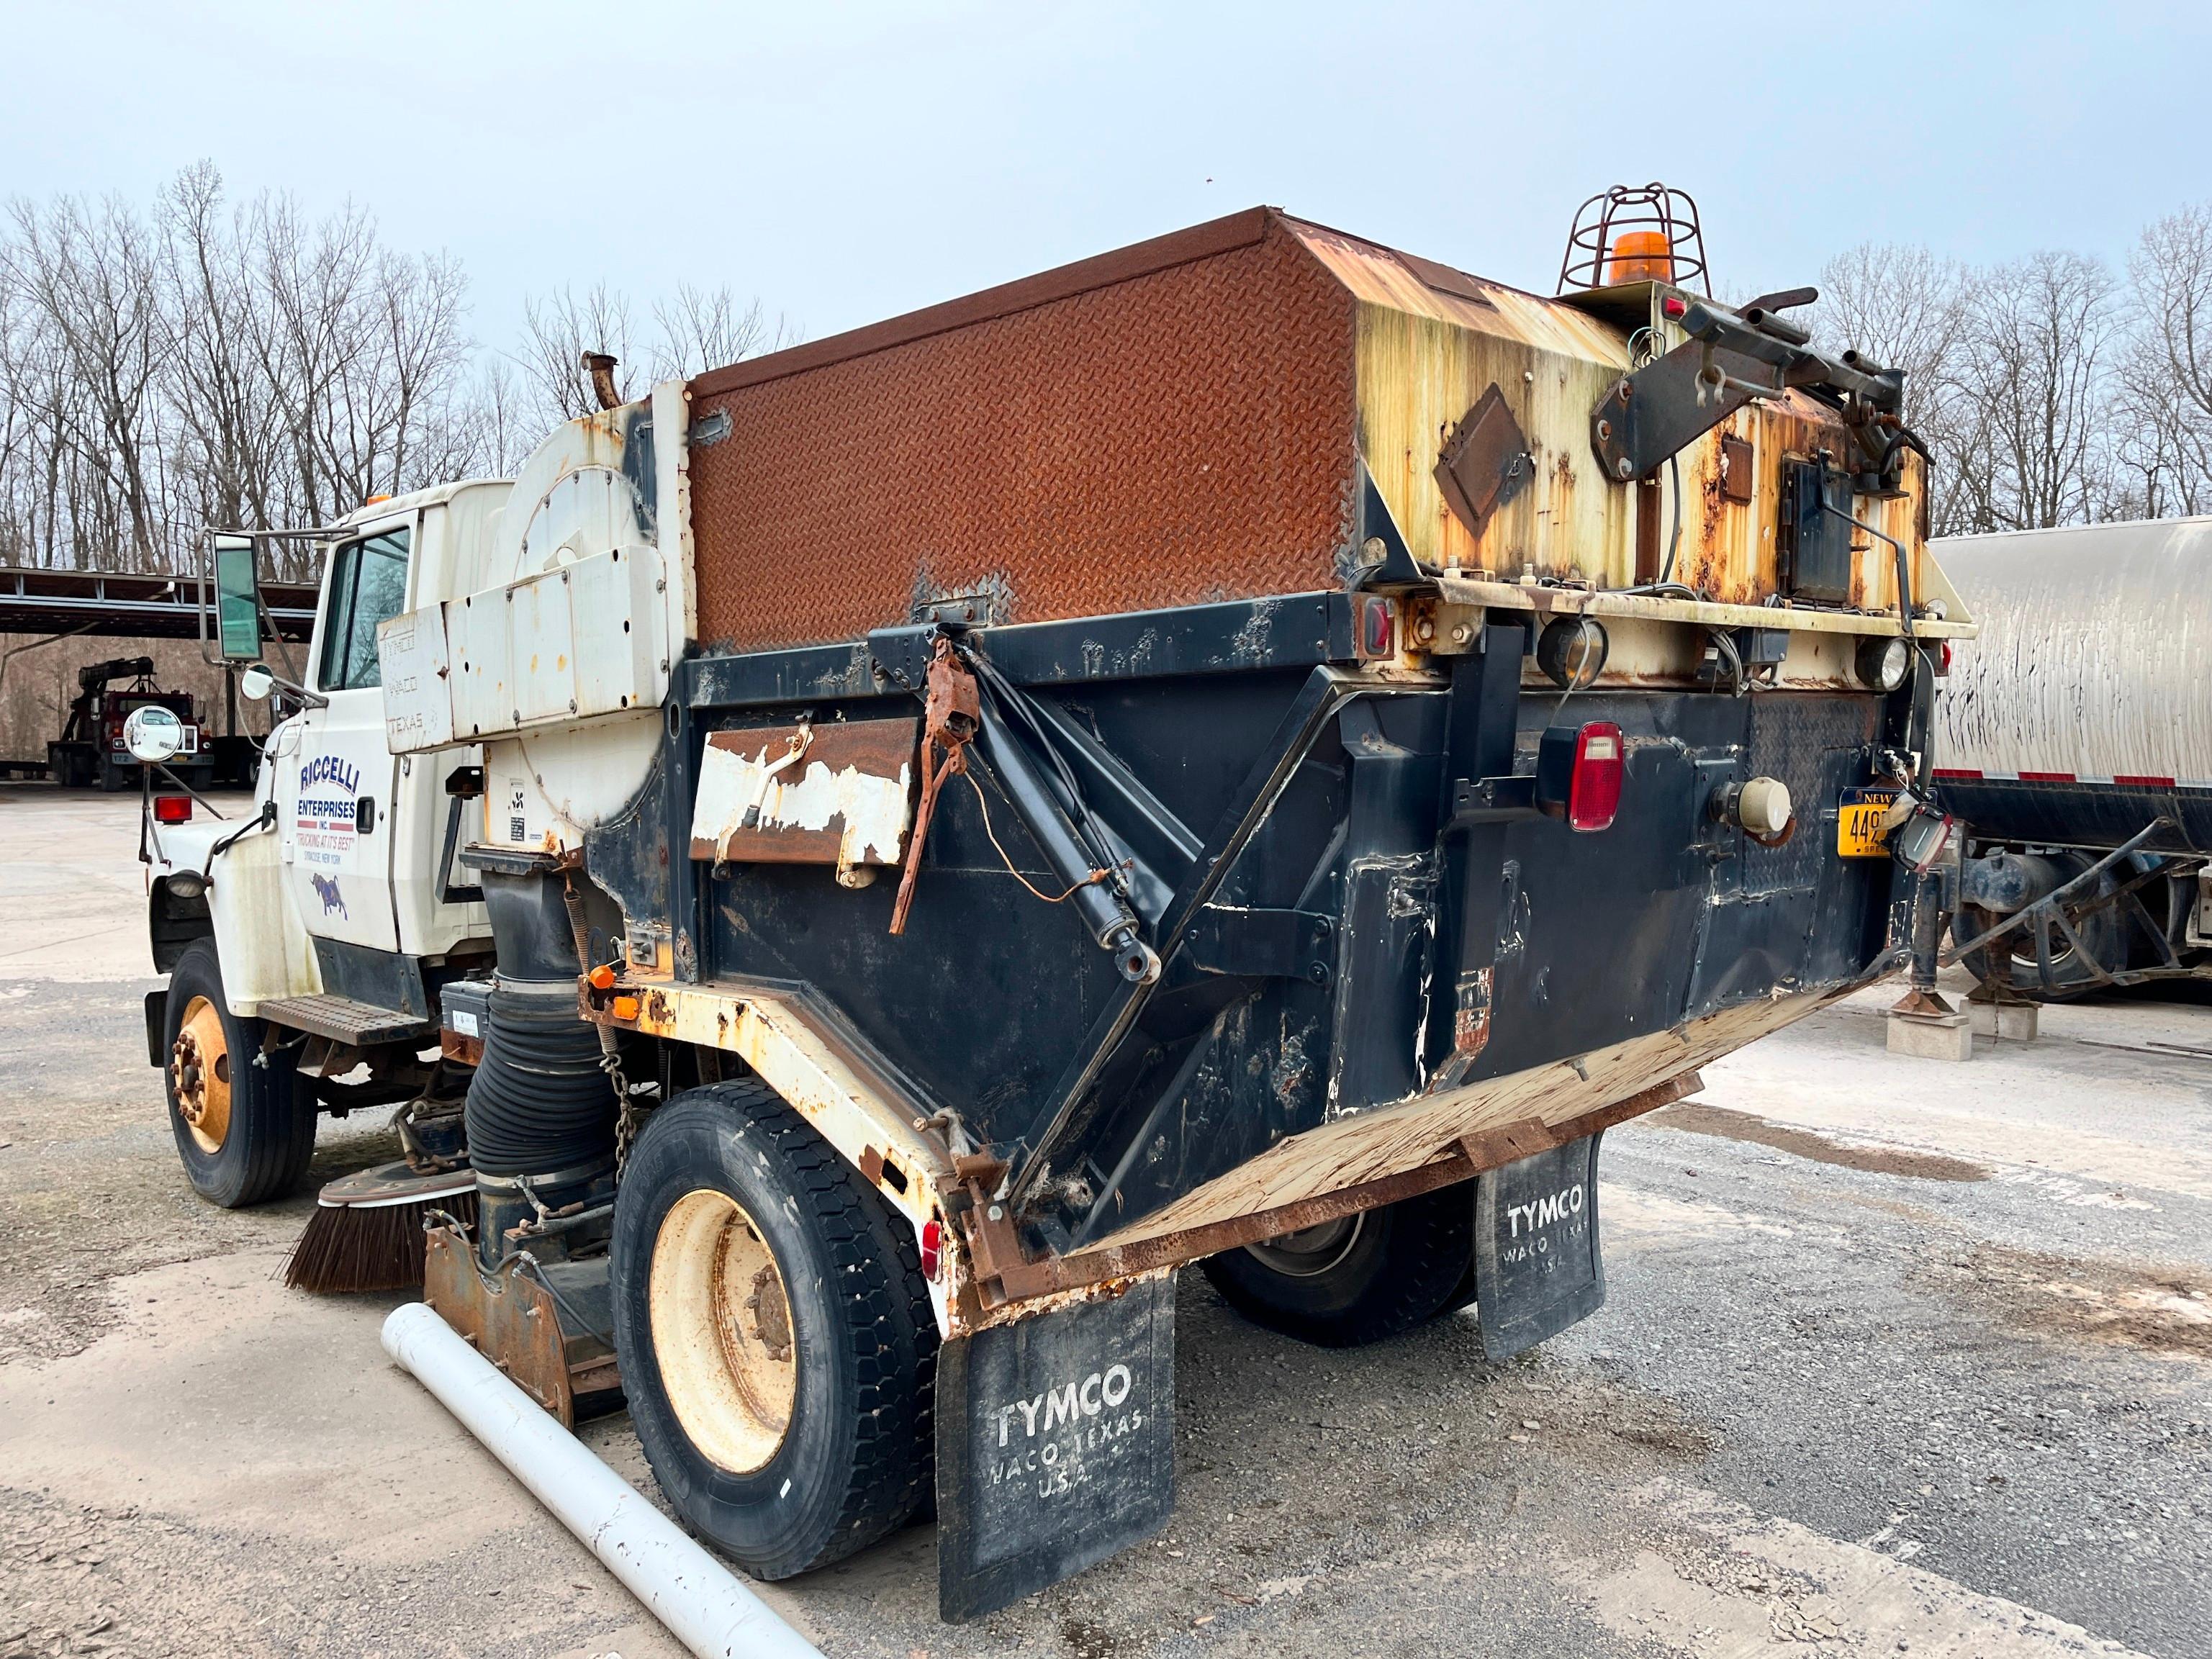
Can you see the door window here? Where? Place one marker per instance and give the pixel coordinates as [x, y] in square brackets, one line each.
[367, 586]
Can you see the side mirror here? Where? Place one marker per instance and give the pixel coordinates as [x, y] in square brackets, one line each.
[256, 683]
[153, 734]
[237, 599]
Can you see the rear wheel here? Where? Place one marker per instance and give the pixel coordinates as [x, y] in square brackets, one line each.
[243, 1137]
[777, 1345]
[2012, 964]
[1360, 1278]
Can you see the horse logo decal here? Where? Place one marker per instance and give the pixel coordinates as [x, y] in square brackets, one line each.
[326, 889]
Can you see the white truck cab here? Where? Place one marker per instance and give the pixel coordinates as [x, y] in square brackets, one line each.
[321, 921]
[355, 832]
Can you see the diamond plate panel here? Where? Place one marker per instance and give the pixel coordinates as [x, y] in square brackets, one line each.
[1180, 436]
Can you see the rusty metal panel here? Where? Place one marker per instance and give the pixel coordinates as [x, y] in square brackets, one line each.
[839, 793]
[1184, 434]
[510, 1320]
[1485, 461]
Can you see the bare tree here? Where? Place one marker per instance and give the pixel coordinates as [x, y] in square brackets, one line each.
[1904, 308]
[1907, 309]
[229, 457]
[95, 349]
[557, 330]
[2038, 365]
[208, 363]
[702, 328]
[2165, 433]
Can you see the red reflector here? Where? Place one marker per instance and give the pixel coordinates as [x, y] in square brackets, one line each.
[172, 809]
[1674, 304]
[1962, 773]
[2130, 781]
[2046, 777]
[1943, 656]
[1376, 625]
[1594, 797]
[932, 1247]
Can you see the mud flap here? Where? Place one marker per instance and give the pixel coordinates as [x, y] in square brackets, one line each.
[1538, 1264]
[1056, 1446]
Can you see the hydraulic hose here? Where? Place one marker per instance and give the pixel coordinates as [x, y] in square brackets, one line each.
[539, 1100]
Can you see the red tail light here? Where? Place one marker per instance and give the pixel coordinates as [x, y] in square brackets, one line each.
[932, 1247]
[1378, 627]
[172, 809]
[1594, 797]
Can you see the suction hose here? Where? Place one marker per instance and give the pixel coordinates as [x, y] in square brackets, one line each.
[700, 1601]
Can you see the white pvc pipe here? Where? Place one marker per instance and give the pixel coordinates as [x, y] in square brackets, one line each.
[700, 1601]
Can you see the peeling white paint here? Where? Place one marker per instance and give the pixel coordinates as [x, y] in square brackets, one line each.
[871, 811]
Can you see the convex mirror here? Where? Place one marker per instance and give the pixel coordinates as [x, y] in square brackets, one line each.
[153, 733]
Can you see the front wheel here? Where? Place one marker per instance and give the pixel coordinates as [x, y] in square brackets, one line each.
[1360, 1278]
[242, 1136]
[775, 1336]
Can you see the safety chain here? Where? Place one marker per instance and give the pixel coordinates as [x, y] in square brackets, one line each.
[630, 1120]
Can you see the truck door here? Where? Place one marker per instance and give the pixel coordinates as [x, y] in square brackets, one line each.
[334, 791]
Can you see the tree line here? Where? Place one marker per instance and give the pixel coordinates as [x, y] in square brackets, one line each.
[2053, 390]
[200, 361]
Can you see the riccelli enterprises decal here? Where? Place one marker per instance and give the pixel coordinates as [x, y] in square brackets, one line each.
[329, 785]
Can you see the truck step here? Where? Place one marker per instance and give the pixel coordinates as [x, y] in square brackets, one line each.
[341, 1019]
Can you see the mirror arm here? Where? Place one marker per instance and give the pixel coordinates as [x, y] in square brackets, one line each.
[292, 689]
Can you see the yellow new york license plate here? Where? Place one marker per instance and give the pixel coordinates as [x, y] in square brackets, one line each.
[1859, 823]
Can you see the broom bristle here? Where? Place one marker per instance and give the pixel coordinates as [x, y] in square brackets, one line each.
[367, 1246]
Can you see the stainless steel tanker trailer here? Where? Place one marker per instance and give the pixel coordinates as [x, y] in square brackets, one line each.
[1255, 749]
[2075, 742]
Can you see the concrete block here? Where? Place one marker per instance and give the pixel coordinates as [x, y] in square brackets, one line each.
[1931, 1036]
[2012, 1022]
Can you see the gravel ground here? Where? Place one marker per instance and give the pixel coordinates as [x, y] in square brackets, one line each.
[1899, 1358]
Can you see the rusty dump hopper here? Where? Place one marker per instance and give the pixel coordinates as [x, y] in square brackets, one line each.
[1249, 407]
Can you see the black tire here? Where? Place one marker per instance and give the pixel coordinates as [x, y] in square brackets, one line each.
[1376, 1276]
[270, 1136]
[854, 1461]
[113, 780]
[2106, 933]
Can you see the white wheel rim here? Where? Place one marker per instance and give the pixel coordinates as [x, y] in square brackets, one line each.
[723, 1331]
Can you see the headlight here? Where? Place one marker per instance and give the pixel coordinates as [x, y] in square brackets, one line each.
[1882, 663]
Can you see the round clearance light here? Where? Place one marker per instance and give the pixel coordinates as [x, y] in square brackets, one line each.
[153, 733]
[1882, 663]
[1571, 651]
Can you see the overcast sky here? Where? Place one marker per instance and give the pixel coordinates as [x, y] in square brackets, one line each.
[846, 162]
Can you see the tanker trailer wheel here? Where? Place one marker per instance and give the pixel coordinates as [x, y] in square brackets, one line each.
[775, 1336]
[2104, 932]
[241, 1134]
[1360, 1278]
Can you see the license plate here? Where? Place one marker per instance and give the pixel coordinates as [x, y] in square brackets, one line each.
[1859, 834]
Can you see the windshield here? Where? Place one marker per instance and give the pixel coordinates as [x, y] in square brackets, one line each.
[368, 586]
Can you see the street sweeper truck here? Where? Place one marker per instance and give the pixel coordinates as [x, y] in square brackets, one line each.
[1251, 750]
